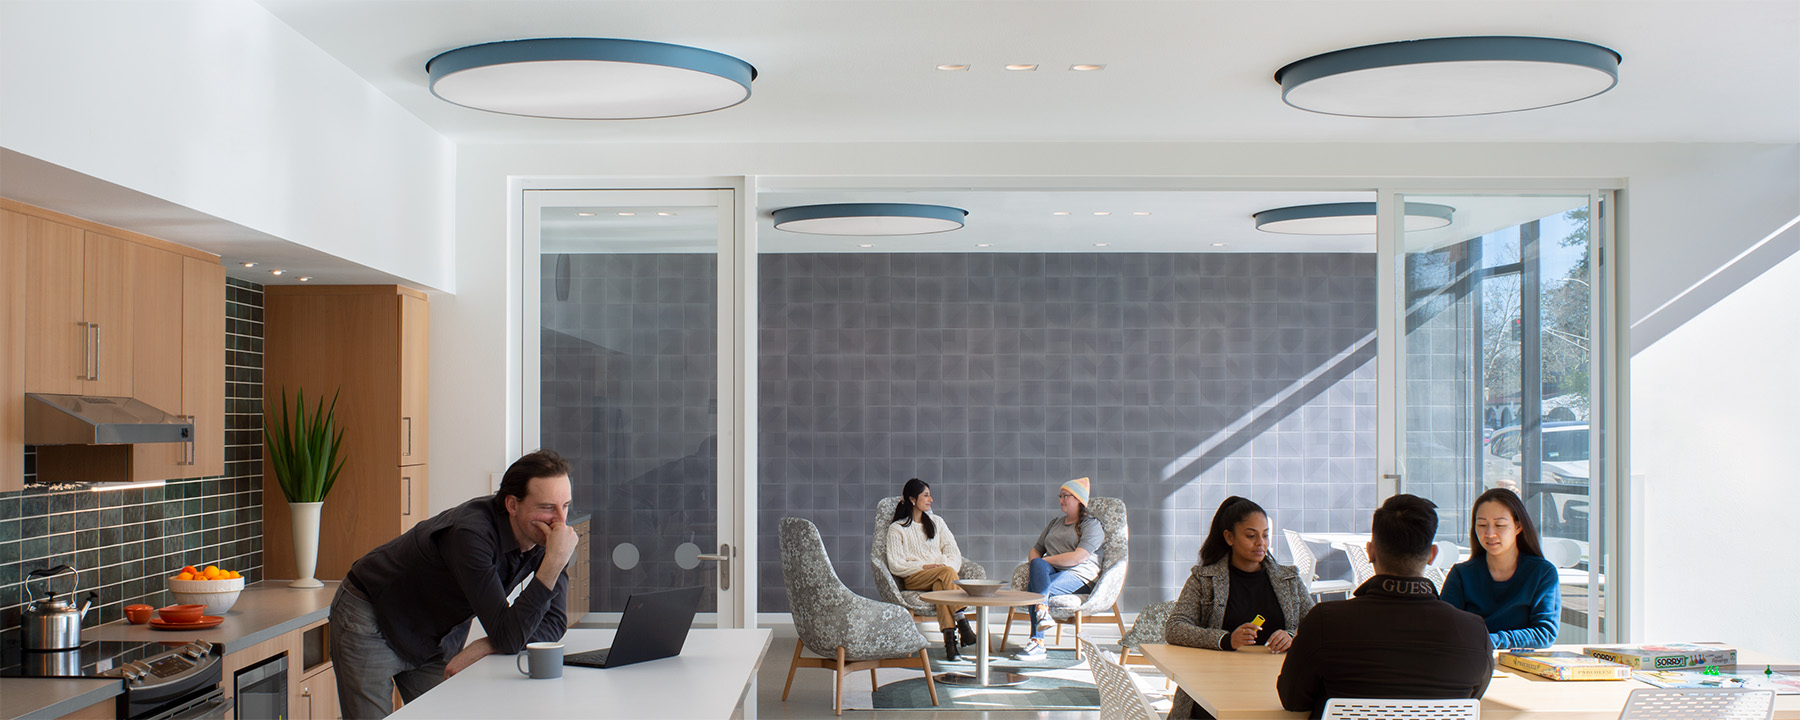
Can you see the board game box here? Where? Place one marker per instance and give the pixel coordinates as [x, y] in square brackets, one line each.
[1564, 665]
[1667, 656]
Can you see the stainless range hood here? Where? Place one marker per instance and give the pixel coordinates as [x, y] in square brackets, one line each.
[90, 420]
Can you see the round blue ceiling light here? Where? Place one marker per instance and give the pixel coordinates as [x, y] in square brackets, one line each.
[870, 219]
[1352, 218]
[589, 78]
[1449, 77]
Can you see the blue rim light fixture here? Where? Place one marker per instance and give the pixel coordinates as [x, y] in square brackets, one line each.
[870, 219]
[1449, 77]
[589, 78]
[1352, 218]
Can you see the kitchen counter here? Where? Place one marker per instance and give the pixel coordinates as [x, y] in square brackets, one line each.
[264, 611]
[52, 697]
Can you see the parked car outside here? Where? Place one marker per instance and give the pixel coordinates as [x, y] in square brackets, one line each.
[1559, 498]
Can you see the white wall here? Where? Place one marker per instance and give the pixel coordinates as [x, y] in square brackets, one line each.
[217, 106]
[1716, 412]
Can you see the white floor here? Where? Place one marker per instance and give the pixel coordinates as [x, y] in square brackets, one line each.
[811, 696]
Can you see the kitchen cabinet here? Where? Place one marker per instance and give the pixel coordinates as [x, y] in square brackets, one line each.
[12, 350]
[369, 345]
[105, 311]
[311, 684]
[579, 585]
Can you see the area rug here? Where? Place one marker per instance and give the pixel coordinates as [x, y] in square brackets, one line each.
[1058, 681]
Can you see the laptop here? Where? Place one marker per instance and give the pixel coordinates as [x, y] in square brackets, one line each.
[654, 626]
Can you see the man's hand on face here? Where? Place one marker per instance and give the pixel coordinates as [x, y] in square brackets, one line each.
[559, 543]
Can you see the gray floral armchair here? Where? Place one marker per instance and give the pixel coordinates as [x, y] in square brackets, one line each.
[1101, 602]
[851, 632]
[887, 584]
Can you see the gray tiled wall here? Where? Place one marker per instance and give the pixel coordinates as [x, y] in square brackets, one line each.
[124, 542]
[1172, 380]
[1443, 384]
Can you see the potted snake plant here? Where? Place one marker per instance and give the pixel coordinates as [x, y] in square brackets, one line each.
[306, 454]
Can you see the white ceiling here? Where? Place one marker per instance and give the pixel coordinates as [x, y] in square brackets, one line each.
[865, 70]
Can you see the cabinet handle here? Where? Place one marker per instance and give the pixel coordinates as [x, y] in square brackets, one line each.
[408, 422]
[408, 507]
[96, 375]
[189, 455]
[87, 351]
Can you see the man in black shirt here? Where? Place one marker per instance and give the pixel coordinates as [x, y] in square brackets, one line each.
[402, 614]
[1395, 639]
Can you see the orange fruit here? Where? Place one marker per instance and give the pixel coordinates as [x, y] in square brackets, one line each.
[190, 570]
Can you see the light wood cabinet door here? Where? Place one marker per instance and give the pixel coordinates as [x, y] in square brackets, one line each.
[415, 495]
[12, 350]
[109, 287]
[415, 370]
[316, 697]
[156, 354]
[203, 365]
[58, 354]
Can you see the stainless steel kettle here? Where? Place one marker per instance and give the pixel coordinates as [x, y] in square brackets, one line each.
[52, 623]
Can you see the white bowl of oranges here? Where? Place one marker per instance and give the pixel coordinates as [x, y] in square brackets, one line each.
[216, 589]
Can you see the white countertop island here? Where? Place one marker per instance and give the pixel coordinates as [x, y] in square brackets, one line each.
[704, 681]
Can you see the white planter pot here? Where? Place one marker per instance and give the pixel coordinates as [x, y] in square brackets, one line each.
[306, 542]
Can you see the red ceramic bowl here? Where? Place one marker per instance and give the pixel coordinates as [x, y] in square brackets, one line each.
[137, 614]
[180, 614]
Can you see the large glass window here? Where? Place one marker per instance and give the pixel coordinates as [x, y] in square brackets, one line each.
[1496, 376]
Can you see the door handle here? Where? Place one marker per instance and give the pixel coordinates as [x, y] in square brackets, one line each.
[724, 561]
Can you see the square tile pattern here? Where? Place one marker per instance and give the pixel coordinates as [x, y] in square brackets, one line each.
[123, 543]
[1172, 380]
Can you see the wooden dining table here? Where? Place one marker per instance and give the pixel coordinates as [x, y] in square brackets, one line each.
[1241, 684]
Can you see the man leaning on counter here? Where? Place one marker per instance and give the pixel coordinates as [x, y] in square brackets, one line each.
[402, 615]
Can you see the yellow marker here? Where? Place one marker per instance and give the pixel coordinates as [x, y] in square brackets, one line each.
[1258, 621]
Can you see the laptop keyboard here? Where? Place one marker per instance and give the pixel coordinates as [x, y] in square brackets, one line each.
[596, 657]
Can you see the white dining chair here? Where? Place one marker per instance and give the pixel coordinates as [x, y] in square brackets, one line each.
[1449, 554]
[1120, 696]
[1699, 704]
[1307, 564]
[1359, 562]
[1374, 709]
[1562, 552]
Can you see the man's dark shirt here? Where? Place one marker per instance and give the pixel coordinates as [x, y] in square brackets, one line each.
[426, 585]
[1395, 639]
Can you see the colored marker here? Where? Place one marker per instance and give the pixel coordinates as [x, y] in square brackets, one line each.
[1258, 621]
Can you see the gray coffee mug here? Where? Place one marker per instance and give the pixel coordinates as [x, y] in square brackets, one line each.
[546, 660]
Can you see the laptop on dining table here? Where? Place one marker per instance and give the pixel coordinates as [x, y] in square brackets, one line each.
[654, 626]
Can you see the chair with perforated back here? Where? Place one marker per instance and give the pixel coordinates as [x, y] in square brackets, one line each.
[1151, 626]
[1308, 564]
[1359, 562]
[1120, 697]
[887, 584]
[1101, 602]
[850, 632]
[1375, 709]
[1699, 704]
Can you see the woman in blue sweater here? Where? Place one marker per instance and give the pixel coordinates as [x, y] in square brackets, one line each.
[1507, 581]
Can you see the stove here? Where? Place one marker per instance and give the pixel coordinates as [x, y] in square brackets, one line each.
[161, 679]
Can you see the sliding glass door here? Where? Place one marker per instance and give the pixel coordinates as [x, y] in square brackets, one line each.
[629, 373]
[1498, 383]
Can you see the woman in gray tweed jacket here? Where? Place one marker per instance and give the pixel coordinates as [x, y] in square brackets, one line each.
[1236, 583]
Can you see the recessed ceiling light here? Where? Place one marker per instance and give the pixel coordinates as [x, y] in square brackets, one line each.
[589, 78]
[306, 279]
[1101, 244]
[1060, 212]
[866, 245]
[1218, 244]
[984, 244]
[1022, 66]
[870, 219]
[1086, 68]
[1101, 212]
[665, 214]
[953, 66]
[626, 214]
[585, 214]
[1140, 213]
[1449, 77]
[276, 272]
[249, 264]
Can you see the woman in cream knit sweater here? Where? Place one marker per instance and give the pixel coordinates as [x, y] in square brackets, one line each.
[923, 554]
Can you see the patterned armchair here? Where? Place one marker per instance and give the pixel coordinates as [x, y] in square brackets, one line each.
[849, 631]
[1102, 600]
[887, 584]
